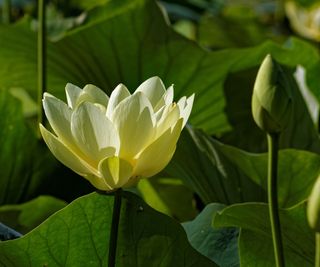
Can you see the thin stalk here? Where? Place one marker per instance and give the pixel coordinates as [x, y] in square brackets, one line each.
[317, 259]
[41, 56]
[114, 228]
[6, 11]
[273, 147]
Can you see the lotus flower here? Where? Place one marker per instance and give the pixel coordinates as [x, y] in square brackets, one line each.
[304, 21]
[113, 142]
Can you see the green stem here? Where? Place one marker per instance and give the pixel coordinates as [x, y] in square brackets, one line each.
[41, 57]
[6, 11]
[114, 228]
[273, 143]
[317, 259]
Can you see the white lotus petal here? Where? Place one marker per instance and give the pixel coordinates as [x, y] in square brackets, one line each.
[158, 154]
[58, 115]
[159, 105]
[98, 182]
[158, 115]
[72, 161]
[118, 94]
[134, 122]
[168, 96]
[185, 109]
[133, 181]
[94, 94]
[165, 100]
[169, 118]
[72, 92]
[182, 103]
[116, 171]
[64, 154]
[153, 88]
[93, 132]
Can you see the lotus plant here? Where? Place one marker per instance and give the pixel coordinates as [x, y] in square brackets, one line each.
[114, 141]
[272, 110]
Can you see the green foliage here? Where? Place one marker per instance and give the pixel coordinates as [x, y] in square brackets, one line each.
[300, 132]
[235, 27]
[298, 171]
[199, 162]
[225, 174]
[218, 244]
[29, 169]
[87, 4]
[155, 49]
[22, 171]
[78, 235]
[255, 243]
[128, 42]
[169, 196]
[24, 217]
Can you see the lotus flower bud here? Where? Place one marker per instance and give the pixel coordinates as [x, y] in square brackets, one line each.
[313, 210]
[114, 141]
[272, 97]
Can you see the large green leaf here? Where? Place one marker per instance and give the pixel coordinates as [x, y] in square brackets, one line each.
[129, 41]
[169, 196]
[297, 171]
[255, 238]
[226, 174]
[78, 235]
[20, 171]
[235, 26]
[200, 164]
[218, 244]
[128, 46]
[24, 217]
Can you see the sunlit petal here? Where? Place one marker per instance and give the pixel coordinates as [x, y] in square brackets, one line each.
[169, 118]
[153, 89]
[94, 94]
[64, 154]
[116, 171]
[72, 92]
[134, 123]
[185, 109]
[98, 182]
[119, 93]
[59, 116]
[168, 96]
[166, 99]
[158, 154]
[93, 132]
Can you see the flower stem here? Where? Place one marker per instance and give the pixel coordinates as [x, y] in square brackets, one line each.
[317, 259]
[273, 143]
[114, 228]
[41, 56]
[6, 11]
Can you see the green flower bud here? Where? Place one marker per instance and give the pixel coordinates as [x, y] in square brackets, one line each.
[272, 97]
[313, 210]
